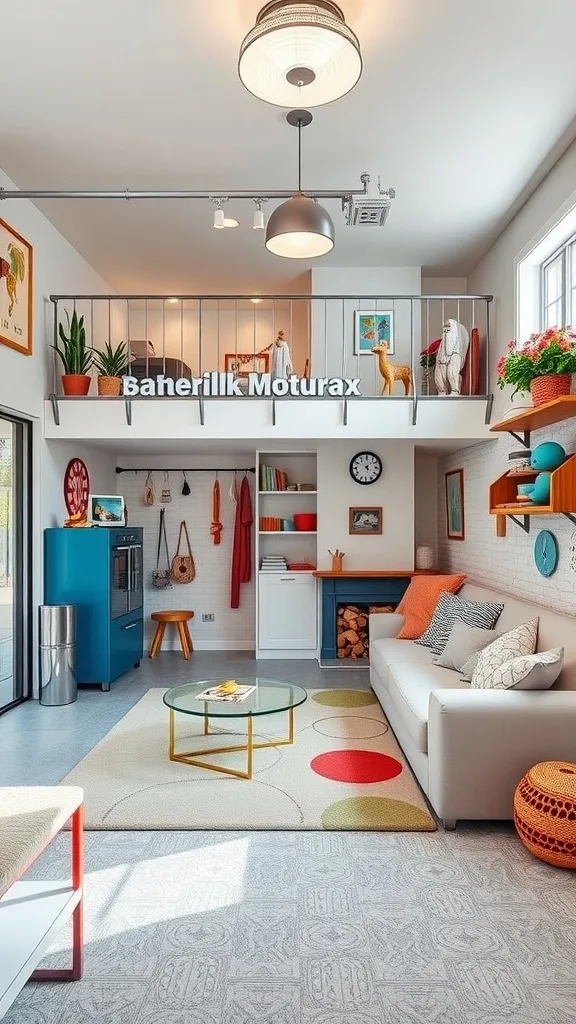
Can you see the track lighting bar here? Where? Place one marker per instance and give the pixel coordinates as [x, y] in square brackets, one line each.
[257, 195]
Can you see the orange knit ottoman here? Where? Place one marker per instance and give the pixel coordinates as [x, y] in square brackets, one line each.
[545, 812]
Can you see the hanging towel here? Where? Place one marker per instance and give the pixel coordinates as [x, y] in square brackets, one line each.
[242, 545]
[216, 527]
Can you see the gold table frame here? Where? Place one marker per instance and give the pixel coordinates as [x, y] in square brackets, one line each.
[190, 756]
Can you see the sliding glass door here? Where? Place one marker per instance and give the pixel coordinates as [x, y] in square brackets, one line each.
[15, 560]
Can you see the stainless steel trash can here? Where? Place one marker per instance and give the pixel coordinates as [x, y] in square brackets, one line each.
[57, 635]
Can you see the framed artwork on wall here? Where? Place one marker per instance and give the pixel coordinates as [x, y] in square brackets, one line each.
[241, 364]
[373, 328]
[366, 519]
[15, 290]
[455, 504]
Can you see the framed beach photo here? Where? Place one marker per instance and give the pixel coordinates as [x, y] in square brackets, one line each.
[241, 364]
[15, 290]
[455, 505]
[106, 510]
[366, 519]
[373, 328]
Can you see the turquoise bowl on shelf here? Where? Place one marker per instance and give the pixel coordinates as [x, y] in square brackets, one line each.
[288, 525]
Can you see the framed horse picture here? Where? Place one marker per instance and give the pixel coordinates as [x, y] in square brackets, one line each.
[15, 290]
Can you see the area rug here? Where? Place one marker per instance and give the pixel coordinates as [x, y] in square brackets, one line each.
[345, 770]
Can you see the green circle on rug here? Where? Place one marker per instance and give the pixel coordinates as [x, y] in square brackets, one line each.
[345, 698]
[377, 812]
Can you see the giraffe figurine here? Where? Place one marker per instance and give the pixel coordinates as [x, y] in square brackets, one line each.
[390, 372]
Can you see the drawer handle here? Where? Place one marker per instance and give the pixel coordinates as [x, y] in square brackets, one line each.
[131, 625]
[287, 579]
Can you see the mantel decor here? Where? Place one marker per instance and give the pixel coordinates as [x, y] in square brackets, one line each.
[15, 290]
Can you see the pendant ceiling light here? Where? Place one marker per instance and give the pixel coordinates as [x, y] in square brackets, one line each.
[300, 228]
[299, 53]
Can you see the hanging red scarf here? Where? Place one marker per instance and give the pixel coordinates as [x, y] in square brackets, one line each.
[242, 546]
[216, 527]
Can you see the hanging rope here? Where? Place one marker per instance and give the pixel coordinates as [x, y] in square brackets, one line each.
[216, 527]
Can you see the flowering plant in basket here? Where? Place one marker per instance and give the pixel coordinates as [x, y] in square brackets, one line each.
[551, 355]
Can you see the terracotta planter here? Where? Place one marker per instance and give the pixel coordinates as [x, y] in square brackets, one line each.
[546, 389]
[76, 384]
[109, 386]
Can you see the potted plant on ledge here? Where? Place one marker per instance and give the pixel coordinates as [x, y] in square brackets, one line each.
[110, 364]
[75, 356]
[543, 366]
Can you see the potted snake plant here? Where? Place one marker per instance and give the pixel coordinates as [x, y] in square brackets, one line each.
[110, 364]
[75, 356]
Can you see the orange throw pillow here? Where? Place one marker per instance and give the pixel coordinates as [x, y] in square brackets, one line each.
[420, 600]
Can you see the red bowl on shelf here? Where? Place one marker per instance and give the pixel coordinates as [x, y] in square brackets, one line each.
[305, 521]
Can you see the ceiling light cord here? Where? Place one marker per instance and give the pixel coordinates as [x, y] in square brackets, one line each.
[300, 154]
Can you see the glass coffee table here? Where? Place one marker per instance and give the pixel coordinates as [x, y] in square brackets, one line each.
[269, 698]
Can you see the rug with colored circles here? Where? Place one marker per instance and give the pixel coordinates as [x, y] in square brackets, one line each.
[345, 771]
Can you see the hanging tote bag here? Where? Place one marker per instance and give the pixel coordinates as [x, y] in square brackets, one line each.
[161, 578]
[183, 568]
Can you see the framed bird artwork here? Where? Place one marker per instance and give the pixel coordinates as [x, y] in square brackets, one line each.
[15, 290]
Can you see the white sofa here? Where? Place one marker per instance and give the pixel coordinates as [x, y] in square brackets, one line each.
[469, 748]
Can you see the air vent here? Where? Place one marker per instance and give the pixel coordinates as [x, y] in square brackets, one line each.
[369, 210]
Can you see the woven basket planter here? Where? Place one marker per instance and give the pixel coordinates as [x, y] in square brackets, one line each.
[545, 812]
[546, 389]
[109, 387]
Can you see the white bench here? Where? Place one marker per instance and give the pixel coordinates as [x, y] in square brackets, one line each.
[31, 912]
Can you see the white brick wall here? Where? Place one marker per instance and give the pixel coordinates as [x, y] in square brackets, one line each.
[210, 591]
[506, 564]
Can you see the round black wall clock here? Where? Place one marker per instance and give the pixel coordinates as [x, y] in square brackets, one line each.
[366, 468]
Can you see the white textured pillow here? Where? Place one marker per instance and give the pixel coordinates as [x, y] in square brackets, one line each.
[534, 672]
[517, 643]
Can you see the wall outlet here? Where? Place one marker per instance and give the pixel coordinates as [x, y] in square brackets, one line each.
[209, 617]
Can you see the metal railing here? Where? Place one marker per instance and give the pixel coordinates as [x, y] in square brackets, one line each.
[328, 336]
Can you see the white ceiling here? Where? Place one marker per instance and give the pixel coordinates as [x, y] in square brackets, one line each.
[459, 106]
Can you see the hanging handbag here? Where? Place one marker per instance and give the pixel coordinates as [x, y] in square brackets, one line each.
[183, 568]
[161, 578]
[166, 496]
[148, 496]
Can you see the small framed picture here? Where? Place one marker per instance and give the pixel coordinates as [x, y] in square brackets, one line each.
[365, 520]
[15, 290]
[373, 328]
[106, 510]
[241, 365]
[455, 505]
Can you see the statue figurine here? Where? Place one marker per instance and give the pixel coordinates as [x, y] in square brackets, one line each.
[281, 358]
[450, 358]
[545, 458]
[391, 372]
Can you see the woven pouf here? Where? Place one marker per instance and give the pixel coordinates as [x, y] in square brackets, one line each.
[545, 812]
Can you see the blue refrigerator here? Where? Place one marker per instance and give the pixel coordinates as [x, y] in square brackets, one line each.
[99, 570]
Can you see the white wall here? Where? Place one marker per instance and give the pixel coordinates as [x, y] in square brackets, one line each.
[333, 326]
[506, 563]
[337, 492]
[55, 458]
[233, 629]
[426, 501]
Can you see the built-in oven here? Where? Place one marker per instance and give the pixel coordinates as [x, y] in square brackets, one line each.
[127, 575]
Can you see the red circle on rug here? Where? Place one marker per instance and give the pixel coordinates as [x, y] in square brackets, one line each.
[356, 766]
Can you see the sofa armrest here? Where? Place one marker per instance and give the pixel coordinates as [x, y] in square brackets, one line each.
[481, 742]
[384, 625]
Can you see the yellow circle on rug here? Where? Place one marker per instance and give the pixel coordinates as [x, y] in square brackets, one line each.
[545, 812]
[345, 698]
[376, 812]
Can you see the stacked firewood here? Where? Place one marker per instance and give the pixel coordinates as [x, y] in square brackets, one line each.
[352, 629]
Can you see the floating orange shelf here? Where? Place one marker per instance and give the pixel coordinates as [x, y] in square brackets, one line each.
[540, 416]
[562, 496]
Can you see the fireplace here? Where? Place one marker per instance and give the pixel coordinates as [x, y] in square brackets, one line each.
[352, 629]
[362, 591]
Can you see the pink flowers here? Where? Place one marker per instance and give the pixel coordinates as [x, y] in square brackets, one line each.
[546, 353]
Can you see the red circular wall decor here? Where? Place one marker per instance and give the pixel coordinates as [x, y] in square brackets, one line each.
[76, 488]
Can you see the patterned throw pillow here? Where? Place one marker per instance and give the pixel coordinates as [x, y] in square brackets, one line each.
[519, 643]
[450, 609]
[533, 672]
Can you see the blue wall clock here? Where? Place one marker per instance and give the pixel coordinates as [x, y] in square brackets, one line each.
[546, 553]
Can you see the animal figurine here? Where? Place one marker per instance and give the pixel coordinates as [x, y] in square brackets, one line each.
[546, 458]
[391, 372]
[450, 358]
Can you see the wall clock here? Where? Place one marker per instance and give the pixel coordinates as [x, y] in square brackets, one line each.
[546, 553]
[366, 468]
[76, 488]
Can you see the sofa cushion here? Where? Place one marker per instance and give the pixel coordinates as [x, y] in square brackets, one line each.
[517, 643]
[409, 687]
[452, 608]
[463, 642]
[418, 604]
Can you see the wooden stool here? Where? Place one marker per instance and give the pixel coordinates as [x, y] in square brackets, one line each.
[181, 619]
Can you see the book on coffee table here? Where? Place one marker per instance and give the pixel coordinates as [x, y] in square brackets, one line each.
[214, 693]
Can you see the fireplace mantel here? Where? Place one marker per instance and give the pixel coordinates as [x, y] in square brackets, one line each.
[372, 573]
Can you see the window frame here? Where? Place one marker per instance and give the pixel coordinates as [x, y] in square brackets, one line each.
[566, 253]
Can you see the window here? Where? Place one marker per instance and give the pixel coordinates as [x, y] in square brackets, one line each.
[558, 287]
[15, 561]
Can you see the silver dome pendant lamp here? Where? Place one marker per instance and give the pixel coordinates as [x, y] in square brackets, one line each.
[300, 228]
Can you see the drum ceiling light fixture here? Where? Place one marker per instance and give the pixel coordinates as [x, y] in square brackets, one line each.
[300, 52]
[300, 228]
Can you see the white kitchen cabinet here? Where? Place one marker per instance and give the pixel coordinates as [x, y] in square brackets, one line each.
[287, 612]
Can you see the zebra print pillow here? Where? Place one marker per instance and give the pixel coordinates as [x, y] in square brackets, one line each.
[450, 609]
